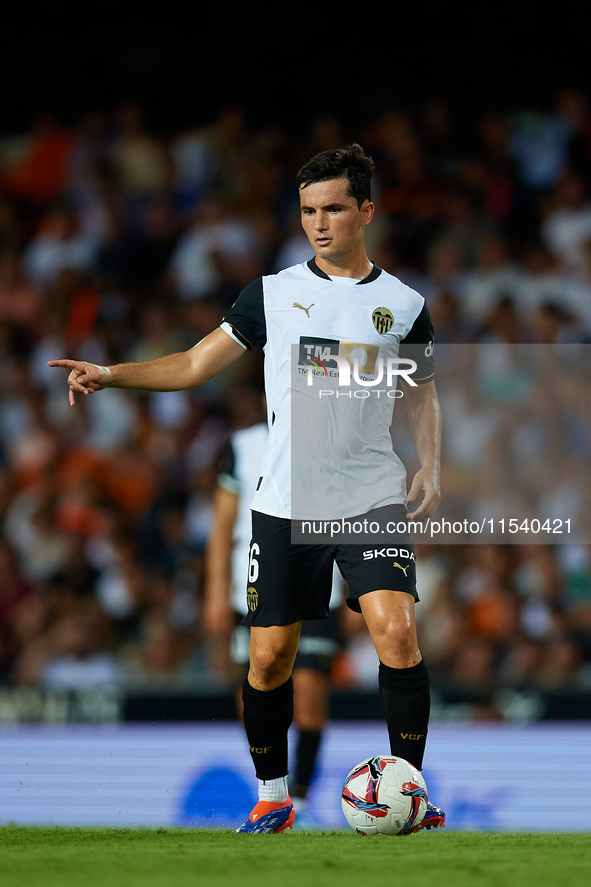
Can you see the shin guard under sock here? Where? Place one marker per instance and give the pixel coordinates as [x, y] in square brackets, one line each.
[267, 717]
[406, 702]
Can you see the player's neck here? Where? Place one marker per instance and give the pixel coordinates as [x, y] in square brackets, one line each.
[355, 265]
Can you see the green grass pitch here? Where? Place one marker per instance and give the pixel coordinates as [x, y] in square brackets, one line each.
[43, 857]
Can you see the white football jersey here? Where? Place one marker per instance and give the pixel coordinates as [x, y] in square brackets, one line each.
[239, 470]
[330, 456]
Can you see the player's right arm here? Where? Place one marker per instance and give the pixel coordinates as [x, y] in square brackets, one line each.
[175, 372]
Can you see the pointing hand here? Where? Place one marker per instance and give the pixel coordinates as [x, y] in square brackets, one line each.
[84, 377]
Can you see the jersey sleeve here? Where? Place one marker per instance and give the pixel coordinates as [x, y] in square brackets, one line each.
[417, 345]
[245, 321]
[226, 466]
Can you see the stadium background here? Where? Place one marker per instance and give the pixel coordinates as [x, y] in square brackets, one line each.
[146, 175]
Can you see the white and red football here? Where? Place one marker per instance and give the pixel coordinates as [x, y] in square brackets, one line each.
[384, 795]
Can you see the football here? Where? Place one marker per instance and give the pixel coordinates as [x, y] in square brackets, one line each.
[384, 795]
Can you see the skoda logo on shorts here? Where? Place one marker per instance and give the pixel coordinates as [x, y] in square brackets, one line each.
[382, 320]
[252, 598]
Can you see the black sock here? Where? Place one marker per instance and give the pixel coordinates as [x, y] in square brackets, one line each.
[306, 753]
[267, 718]
[406, 701]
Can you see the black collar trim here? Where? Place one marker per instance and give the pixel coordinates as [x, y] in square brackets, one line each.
[373, 274]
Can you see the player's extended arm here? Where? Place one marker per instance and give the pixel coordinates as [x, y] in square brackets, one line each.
[424, 417]
[186, 369]
[217, 610]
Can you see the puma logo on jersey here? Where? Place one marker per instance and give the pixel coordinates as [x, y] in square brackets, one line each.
[307, 310]
[404, 569]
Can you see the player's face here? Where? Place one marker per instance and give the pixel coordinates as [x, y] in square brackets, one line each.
[333, 222]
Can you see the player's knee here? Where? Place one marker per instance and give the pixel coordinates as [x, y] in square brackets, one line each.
[310, 721]
[396, 641]
[269, 669]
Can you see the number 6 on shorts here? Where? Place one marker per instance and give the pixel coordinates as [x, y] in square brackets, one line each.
[253, 564]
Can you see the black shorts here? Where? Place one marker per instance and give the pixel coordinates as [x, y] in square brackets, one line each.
[320, 641]
[289, 582]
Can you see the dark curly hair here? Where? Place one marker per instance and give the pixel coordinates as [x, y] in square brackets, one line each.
[350, 162]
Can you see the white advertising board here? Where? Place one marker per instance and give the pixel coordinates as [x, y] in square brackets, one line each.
[486, 777]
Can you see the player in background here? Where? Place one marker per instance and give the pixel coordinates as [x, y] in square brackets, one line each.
[343, 302]
[225, 605]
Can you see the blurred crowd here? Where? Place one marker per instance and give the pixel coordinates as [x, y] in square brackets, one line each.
[118, 243]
